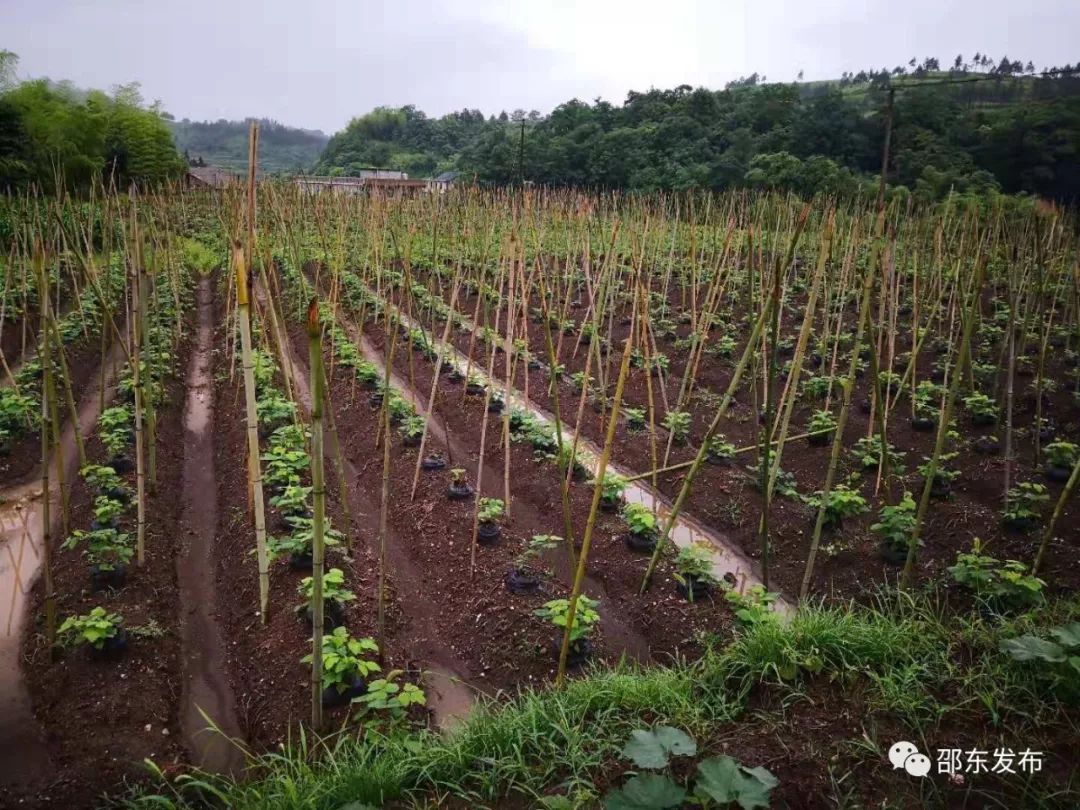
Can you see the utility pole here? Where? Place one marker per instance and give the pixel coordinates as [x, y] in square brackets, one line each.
[885, 151]
[521, 155]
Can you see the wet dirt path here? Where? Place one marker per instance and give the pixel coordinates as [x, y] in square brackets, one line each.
[206, 688]
[23, 753]
[450, 686]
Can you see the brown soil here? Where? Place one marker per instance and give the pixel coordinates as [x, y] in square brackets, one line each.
[725, 499]
[102, 718]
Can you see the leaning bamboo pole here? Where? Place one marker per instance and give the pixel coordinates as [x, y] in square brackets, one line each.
[46, 493]
[721, 411]
[943, 423]
[243, 304]
[838, 434]
[1059, 508]
[318, 493]
[590, 523]
[429, 413]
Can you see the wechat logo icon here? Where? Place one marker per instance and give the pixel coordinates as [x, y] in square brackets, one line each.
[905, 755]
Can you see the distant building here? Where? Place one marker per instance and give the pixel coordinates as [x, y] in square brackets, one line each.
[210, 177]
[389, 180]
[443, 182]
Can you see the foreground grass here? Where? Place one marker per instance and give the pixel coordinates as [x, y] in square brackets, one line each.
[912, 659]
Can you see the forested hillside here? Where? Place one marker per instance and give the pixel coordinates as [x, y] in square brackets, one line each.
[225, 143]
[47, 127]
[978, 128]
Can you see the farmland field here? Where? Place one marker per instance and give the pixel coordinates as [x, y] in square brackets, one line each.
[443, 499]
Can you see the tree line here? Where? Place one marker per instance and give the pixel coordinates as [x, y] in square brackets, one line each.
[54, 131]
[994, 127]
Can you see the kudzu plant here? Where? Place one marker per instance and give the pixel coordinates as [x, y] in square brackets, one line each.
[93, 629]
[344, 659]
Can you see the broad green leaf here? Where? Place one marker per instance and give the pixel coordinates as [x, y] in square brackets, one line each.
[652, 748]
[717, 779]
[646, 791]
[1030, 648]
[724, 780]
[1068, 636]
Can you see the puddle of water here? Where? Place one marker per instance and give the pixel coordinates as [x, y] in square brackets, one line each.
[206, 689]
[23, 751]
[22, 743]
[448, 697]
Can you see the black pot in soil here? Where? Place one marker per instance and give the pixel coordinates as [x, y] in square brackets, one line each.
[534, 365]
[521, 581]
[433, 463]
[641, 543]
[717, 461]
[333, 697]
[1021, 525]
[410, 440]
[987, 446]
[694, 589]
[474, 389]
[939, 489]
[300, 561]
[459, 492]
[894, 555]
[121, 465]
[455, 376]
[610, 505]
[579, 652]
[333, 614]
[495, 406]
[376, 400]
[117, 494]
[1055, 473]
[923, 424]
[820, 439]
[635, 424]
[113, 648]
[103, 578]
[488, 533]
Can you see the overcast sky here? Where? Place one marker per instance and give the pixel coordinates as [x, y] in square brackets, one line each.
[318, 63]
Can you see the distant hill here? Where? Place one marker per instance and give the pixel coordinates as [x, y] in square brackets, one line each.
[225, 143]
[979, 131]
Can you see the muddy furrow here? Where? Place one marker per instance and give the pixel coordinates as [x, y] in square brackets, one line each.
[450, 685]
[207, 695]
[23, 751]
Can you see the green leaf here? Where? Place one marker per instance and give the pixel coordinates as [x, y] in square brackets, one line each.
[1030, 648]
[556, 803]
[1068, 636]
[653, 748]
[647, 791]
[724, 780]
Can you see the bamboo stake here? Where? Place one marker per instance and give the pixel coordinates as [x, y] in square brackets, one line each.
[598, 485]
[318, 492]
[943, 425]
[252, 423]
